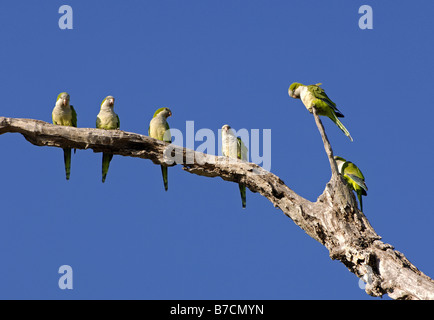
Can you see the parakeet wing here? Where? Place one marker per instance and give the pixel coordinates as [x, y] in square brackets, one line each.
[74, 117]
[242, 154]
[351, 168]
[352, 171]
[119, 122]
[359, 181]
[167, 136]
[241, 149]
[319, 93]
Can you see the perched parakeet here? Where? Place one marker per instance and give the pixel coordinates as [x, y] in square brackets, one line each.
[314, 95]
[109, 120]
[234, 147]
[353, 176]
[159, 129]
[65, 115]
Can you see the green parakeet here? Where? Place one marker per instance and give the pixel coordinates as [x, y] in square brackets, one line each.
[234, 147]
[159, 129]
[109, 120]
[64, 115]
[353, 176]
[314, 95]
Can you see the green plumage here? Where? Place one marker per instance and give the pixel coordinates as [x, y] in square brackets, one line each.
[315, 96]
[354, 178]
[164, 172]
[242, 154]
[64, 115]
[67, 151]
[107, 119]
[106, 158]
[242, 188]
[234, 147]
[67, 161]
[159, 129]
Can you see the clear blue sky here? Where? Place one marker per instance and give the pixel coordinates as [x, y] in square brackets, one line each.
[213, 62]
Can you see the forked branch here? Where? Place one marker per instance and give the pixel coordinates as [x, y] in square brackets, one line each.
[333, 220]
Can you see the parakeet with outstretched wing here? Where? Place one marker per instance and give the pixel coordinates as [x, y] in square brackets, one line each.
[64, 115]
[109, 120]
[354, 177]
[315, 96]
[159, 129]
[234, 147]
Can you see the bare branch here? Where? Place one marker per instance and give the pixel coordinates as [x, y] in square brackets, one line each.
[325, 140]
[333, 220]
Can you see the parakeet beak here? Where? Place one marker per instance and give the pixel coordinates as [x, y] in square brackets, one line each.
[65, 102]
[170, 113]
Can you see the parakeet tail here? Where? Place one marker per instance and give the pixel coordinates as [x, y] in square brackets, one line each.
[106, 158]
[67, 160]
[164, 172]
[243, 194]
[359, 195]
[335, 119]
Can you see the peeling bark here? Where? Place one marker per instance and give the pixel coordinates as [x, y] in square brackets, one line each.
[333, 220]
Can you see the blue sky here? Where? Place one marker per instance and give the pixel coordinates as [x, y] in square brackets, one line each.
[211, 62]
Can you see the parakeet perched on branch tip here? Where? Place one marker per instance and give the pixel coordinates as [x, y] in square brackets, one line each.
[315, 96]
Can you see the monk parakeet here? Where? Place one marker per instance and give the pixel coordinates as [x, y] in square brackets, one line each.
[109, 120]
[159, 129]
[314, 95]
[234, 147]
[65, 115]
[353, 176]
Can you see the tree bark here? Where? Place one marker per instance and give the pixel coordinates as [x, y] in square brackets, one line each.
[333, 220]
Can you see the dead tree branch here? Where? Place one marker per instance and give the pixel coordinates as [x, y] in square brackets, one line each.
[333, 220]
